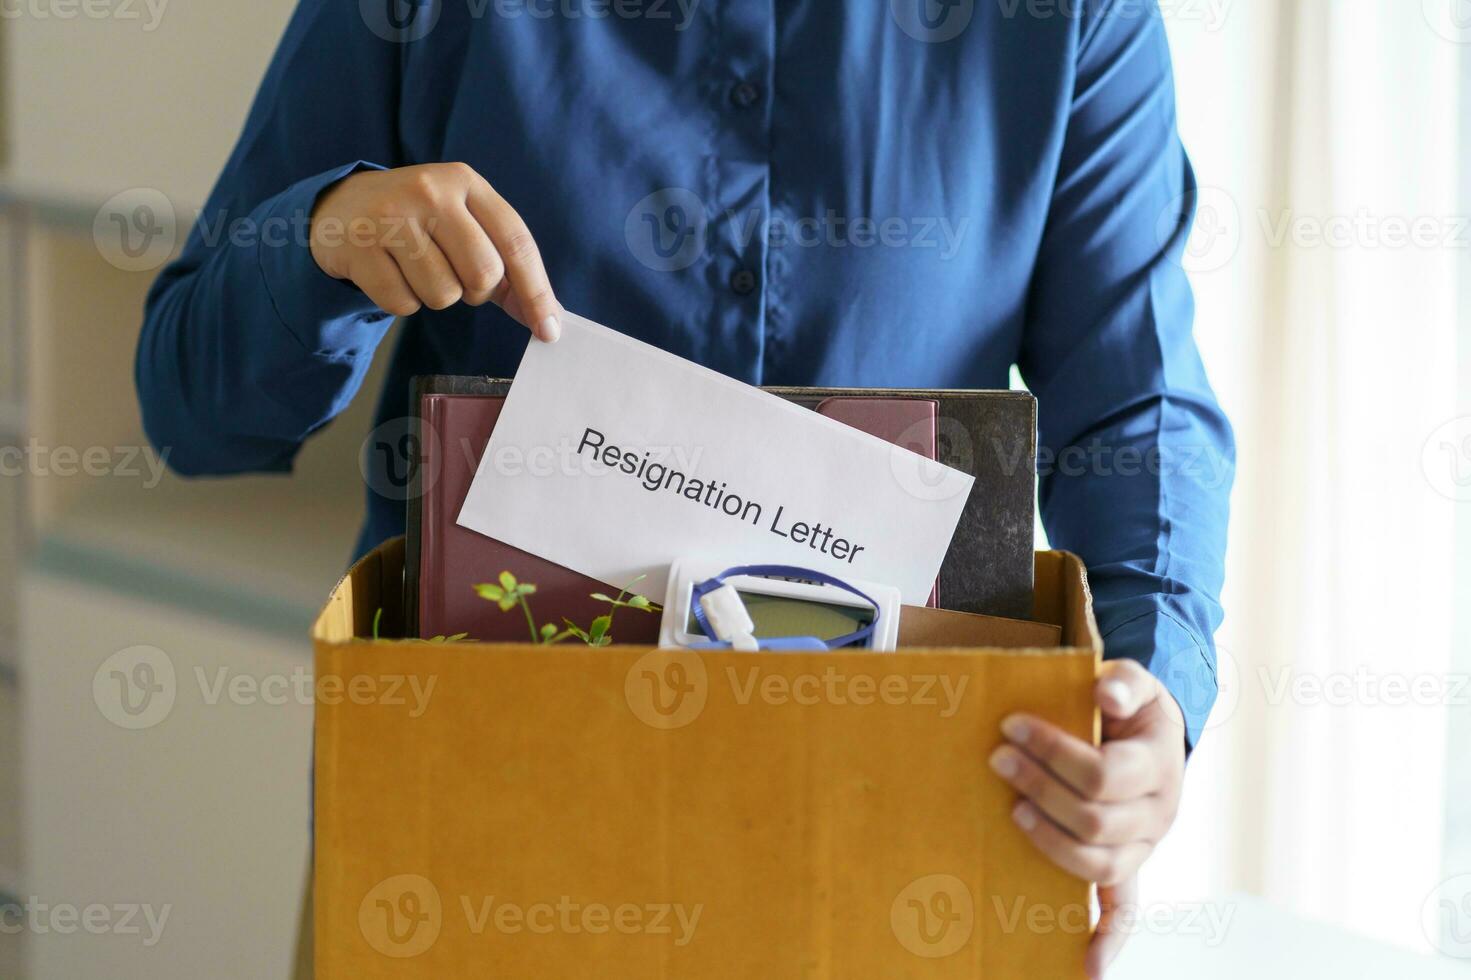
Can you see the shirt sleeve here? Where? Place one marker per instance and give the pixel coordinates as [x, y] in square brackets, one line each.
[1136, 458]
[247, 347]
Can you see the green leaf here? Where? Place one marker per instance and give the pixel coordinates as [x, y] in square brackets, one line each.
[507, 603]
[508, 581]
[639, 602]
[576, 630]
[598, 596]
[548, 631]
[599, 629]
[492, 592]
[525, 589]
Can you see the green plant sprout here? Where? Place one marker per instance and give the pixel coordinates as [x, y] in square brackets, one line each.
[509, 594]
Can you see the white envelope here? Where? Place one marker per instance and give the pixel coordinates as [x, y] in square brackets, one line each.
[614, 458]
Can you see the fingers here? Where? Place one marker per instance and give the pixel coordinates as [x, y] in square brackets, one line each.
[1110, 936]
[1088, 821]
[426, 270]
[1090, 862]
[1124, 688]
[535, 305]
[381, 280]
[474, 259]
[1118, 771]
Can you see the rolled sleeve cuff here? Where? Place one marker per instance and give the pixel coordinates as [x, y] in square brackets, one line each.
[327, 316]
[1173, 654]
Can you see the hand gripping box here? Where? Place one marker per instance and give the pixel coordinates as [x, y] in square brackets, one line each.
[546, 812]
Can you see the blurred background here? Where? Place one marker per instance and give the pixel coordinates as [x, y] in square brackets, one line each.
[1326, 828]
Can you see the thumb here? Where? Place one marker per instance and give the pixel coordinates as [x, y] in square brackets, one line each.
[1123, 689]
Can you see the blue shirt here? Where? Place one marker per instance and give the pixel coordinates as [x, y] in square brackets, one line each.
[915, 193]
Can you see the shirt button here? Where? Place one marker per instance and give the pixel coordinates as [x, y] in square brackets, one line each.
[745, 95]
[743, 282]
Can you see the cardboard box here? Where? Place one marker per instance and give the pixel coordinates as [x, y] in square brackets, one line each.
[543, 812]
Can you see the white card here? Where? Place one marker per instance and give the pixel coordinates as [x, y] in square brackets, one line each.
[613, 458]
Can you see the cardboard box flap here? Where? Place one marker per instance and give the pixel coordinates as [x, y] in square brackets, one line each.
[924, 627]
[374, 583]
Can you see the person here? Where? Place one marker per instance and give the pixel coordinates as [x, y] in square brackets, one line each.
[920, 193]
